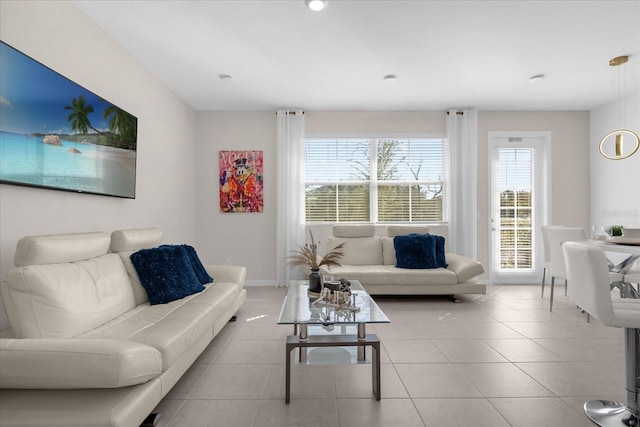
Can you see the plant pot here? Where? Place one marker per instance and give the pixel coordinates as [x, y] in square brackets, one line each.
[315, 281]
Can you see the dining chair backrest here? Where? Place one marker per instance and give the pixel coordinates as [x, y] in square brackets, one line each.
[545, 241]
[558, 236]
[588, 278]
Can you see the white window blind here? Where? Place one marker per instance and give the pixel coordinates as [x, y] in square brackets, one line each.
[374, 180]
[515, 183]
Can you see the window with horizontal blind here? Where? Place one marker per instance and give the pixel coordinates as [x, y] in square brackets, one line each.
[374, 180]
[516, 186]
[519, 205]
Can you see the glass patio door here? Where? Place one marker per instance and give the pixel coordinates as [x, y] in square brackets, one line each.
[518, 193]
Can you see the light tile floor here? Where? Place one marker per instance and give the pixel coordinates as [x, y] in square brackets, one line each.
[500, 359]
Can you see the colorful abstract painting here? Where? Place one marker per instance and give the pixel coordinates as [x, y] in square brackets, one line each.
[241, 182]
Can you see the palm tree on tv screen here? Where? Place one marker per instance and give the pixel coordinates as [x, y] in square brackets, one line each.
[122, 124]
[79, 117]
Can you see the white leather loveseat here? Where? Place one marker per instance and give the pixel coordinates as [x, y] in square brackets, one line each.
[371, 259]
[85, 347]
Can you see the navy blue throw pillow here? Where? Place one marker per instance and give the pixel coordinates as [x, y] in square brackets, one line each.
[415, 251]
[196, 264]
[441, 259]
[166, 273]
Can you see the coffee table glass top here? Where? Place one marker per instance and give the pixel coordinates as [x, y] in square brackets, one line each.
[298, 308]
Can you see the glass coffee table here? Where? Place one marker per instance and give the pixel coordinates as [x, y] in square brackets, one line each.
[298, 310]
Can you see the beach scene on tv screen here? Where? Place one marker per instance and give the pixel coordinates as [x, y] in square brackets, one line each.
[56, 134]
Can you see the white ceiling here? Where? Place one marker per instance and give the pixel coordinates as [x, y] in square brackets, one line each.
[446, 54]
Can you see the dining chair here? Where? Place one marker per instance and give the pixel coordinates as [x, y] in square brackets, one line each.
[557, 236]
[546, 253]
[587, 271]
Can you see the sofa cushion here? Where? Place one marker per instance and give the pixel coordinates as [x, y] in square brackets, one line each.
[63, 300]
[166, 273]
[196, 265]
[74, 363]
[174, 327]
[362, 230]
[139, 292]
[391, 275]
[388, 251]
[12, 313]
[441, 256]
[126, 242]
[415, 251]
[135, 239]
[358, 250]
[57, 248]
[403, 230]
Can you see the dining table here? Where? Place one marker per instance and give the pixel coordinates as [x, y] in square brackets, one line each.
[630, 247]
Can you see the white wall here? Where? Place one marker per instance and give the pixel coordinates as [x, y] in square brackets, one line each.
[244, 238]
[615, 184]
[375, 123]
[60, 36]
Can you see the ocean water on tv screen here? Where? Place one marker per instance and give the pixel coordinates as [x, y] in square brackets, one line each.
[77, 166]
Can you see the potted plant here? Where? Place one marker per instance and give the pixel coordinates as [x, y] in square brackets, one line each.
[308, 255]
[614, 230]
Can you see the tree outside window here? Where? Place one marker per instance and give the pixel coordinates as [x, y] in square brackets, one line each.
[374, 180]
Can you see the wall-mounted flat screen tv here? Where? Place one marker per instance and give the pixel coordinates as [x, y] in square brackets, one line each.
[55, 134]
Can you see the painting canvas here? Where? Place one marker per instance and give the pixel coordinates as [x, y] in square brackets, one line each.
[241, 182]
[55, 134]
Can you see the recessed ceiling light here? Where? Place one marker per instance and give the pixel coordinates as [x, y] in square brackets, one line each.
[536, 79]
[390, 78]
[316, 5]
[224, 77]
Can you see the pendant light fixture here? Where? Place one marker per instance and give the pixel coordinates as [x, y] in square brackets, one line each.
[616, 138]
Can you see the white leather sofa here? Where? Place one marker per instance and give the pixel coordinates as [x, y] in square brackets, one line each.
[85, 347]
[371, 259]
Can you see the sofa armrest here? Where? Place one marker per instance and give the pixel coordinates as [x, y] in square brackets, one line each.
[76, 363]
[227, 273]
[464, 267]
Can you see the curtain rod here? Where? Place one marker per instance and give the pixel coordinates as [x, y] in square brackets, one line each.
[458, 113]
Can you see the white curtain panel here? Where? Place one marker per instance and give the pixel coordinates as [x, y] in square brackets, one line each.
[290, 210]
[462, 132]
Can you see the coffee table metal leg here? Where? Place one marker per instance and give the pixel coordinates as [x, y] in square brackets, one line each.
[362, 336]
[375, 366]
[287, 369]
[303, 338]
